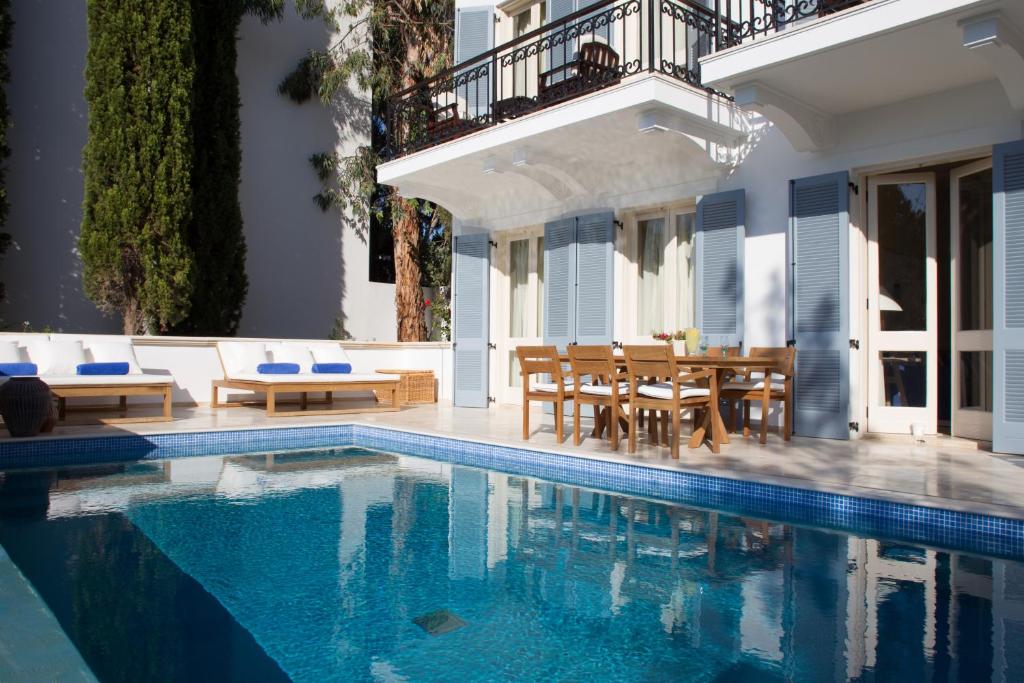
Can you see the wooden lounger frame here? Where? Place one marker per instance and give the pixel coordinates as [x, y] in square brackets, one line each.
[122, 391]
[272, 389]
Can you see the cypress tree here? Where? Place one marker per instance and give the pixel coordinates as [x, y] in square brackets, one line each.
[137, 161]
[215, 233]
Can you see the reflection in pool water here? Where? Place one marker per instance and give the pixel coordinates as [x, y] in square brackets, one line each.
[356, 565]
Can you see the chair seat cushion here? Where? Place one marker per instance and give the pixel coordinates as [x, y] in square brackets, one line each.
[664, 390]
[550, 387]
[752, 386]
[603, 389]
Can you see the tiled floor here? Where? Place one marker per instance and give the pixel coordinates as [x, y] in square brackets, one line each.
[944, 473]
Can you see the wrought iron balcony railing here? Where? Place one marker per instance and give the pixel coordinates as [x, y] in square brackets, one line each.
[582, 53]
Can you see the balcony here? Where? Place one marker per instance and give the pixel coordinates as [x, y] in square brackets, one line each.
[808, 73]
[593, 49]
[606, 107]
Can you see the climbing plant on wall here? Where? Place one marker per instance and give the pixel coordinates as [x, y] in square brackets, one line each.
[383, 46]
[137, 162]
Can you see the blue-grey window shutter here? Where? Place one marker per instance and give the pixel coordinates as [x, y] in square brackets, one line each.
[720, 238]
[560, 282]
[1008, 299]
[563, 48]
[819, 225]
[472, 324]
[474, 35]
[595, 254]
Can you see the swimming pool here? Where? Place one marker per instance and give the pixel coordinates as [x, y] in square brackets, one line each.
[357, 563]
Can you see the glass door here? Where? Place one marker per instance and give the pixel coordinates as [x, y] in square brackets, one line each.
[971, 249]
[902, 304]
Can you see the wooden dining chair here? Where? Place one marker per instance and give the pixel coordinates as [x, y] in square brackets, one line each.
[750, 385]
[672, 391]
[550, 387]
[607, 390]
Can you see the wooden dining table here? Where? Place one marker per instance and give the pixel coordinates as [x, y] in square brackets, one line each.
[722, 365]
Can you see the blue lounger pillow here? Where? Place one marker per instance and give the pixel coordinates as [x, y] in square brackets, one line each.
[278, 368]
[332, 368]
[103, 369]
[18, 369]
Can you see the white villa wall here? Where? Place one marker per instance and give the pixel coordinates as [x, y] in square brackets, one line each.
[194, 363]
[960, 123]
[303, 264]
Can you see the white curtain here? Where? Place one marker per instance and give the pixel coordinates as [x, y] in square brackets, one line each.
[519, 280]
[650, 256]
[540, 286]
[684, 271]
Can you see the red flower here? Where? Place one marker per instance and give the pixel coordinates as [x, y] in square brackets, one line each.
[426, 302]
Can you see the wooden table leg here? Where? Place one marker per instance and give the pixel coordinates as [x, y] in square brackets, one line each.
[717, 423]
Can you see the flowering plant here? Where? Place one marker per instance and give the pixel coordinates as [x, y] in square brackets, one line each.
[662, 336]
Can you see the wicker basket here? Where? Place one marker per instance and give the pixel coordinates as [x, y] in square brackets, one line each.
[416, 386]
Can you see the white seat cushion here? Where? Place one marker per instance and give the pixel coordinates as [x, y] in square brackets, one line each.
[752, 386]
[603, 389]
[329, 353]
[319, 378]
[105, 380]
[114, 351]
[242, 357]
[550, 386]
[664, 390]
[57, 357]
[283, 352]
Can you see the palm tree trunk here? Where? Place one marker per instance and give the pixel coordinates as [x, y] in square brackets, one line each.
[408, 292]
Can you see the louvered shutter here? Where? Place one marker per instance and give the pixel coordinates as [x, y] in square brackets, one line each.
[562, 49]
[472, 324]
[1008, 299]
[560, 282]
[720, 237]
[819, 224]
[595, 251]
[600, 27]
[474, 35]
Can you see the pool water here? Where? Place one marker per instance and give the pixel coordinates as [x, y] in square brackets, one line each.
[354, 565]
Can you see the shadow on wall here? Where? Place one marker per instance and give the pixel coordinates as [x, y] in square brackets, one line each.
[296, 262]
[44, 177]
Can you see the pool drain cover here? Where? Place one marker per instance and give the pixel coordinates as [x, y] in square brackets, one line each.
[439, 622]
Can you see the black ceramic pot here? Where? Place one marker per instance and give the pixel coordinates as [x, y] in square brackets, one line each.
[24, 404]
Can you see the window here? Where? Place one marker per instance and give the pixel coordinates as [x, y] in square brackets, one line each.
[651, 266]
[382, 253]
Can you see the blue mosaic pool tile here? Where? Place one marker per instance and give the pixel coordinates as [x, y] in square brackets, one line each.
[861, 516]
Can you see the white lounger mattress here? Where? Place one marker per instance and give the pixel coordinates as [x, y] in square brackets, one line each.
[312, 378]
[104, 380]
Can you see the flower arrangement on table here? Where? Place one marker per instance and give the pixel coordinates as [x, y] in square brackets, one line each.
[682, 341]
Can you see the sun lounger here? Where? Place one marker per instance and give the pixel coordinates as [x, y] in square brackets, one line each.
[241, 362]
[58, 361]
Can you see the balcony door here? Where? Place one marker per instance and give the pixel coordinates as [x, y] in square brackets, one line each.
[902, 304]
[970, 204]
[520, 304]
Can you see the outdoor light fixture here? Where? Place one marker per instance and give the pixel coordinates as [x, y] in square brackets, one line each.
[490, 165]
[519, 157]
